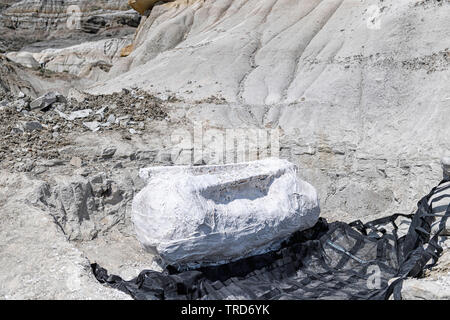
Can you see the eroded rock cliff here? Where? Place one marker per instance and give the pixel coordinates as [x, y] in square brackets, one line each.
[27, 21]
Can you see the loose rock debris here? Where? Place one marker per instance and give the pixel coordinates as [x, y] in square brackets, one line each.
[32, 129]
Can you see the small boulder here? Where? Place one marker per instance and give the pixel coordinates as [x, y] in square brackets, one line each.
[76, 162]
[24, 58]
[30, 126]
[77, 95]
[79, 114]
[108, 152]
[92, 125]
[47, 100]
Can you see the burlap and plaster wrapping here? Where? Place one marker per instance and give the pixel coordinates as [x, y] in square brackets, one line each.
[213, 214]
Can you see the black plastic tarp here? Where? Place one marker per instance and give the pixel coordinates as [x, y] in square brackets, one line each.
[329, 261]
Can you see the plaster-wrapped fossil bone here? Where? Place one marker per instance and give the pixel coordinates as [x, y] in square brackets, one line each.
[143, 5]
[212, 214]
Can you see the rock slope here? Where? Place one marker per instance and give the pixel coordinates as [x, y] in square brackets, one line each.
[359, 90]
[280, 51]
[37, 261]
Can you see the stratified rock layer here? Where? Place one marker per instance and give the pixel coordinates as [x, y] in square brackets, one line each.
[47, 16]
[59, 23]
[91, 59]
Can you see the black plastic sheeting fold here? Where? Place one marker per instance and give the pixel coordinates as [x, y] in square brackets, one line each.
[329, 261]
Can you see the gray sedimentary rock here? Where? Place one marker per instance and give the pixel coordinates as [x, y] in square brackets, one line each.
[14, 79]
[348, 96]
[83, 208]
[37, 261]
[108, 152]
[92, 125]
[30, 126]
[90, 59]
[271, 52]
[75, 114]
[211, 214]
[25, 58]
[51, 15]
[436, 283]
[416, 289]
[76, 162]
[363, 111]
[62, 23]
[78, 95]
[47, 100]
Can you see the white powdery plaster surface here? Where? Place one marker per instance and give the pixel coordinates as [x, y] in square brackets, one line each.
[213, 214]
